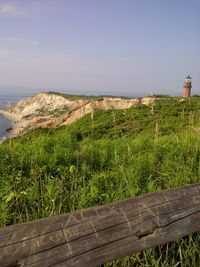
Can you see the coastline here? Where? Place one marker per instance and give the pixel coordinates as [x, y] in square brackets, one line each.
[13, 118]
[43, 111]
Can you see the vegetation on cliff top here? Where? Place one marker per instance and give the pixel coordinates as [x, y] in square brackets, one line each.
[84, 97]
[104, 157]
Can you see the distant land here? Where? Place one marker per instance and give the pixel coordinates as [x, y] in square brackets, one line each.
[28, 91]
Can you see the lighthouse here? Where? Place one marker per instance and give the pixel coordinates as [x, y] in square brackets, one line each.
[187, 86]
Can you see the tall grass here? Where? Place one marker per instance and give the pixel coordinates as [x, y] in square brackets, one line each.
[110, 156]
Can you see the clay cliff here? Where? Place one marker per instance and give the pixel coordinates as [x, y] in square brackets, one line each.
[51, 110]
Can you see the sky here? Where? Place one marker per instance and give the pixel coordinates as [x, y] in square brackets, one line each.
[121, 47]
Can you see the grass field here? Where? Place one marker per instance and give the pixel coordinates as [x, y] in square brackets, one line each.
[98, 159]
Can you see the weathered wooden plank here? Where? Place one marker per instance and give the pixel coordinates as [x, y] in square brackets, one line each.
[93, 236]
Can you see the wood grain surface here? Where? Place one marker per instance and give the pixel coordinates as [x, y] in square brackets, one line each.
[96, 235]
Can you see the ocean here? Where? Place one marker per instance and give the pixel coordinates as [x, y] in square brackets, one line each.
[4, 123]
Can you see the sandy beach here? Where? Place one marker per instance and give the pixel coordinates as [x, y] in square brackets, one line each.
[14, 120]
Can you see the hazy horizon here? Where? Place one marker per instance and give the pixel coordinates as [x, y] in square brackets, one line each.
[96, 47]
[23, 92]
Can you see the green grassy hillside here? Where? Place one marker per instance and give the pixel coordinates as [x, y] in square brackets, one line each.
[98, 159]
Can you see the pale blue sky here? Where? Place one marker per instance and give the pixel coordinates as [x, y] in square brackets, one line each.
[126, 47]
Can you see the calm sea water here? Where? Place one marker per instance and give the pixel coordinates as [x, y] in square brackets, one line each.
[4, 123]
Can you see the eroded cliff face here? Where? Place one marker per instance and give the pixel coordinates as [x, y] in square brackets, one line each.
[41, 103]
[102, 104]
[51, 110]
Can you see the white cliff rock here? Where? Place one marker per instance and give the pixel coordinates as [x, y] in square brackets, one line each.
[41, 110]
